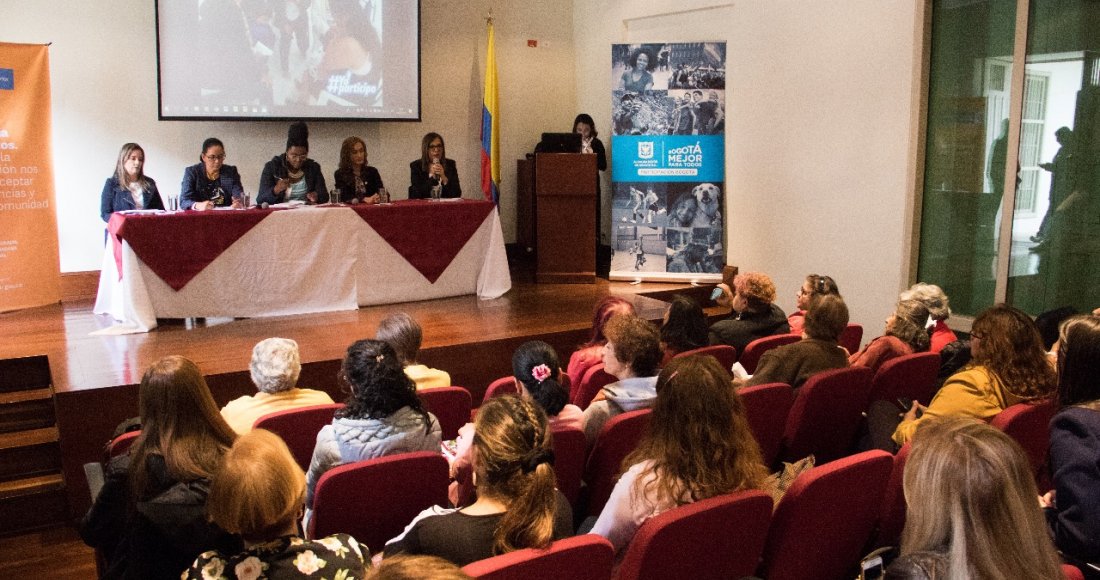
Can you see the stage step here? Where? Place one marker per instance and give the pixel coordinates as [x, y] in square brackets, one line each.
[32, 503]
[32, 490]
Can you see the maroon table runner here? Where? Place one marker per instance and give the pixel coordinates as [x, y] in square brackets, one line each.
[176, 247]
[428, 234]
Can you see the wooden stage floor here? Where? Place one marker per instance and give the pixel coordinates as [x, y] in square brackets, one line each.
[95, 377]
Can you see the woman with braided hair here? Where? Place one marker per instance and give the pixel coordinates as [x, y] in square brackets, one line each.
[517, 505]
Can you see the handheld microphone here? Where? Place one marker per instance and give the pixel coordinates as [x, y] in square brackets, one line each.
[435, 161]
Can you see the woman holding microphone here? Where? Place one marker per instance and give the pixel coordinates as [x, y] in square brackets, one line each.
[433, 169]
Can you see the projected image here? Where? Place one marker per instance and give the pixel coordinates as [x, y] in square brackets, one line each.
[288, 59]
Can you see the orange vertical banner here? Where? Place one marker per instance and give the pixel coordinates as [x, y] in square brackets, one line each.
[30, 270]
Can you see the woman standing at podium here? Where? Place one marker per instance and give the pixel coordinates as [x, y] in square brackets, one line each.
[584, 126]
[129, 188]
[433, 169]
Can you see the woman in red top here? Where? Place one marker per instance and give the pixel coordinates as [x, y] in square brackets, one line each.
[936, 301]
[905, 334]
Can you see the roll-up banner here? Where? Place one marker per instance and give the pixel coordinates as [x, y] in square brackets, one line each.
[30, 271]
[668, 161]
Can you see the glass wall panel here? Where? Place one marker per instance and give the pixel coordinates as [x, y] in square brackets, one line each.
[1056, 227]
[967, 134]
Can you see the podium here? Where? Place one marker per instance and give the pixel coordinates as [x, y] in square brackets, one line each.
[565, 198]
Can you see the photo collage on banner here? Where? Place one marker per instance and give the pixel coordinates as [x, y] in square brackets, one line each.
[668, 160]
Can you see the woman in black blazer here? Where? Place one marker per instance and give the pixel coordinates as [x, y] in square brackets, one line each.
[129, 188]
[433, 168]
[211, 182]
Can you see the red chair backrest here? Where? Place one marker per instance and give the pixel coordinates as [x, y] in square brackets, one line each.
[1070, 572]
[595, 378]
[823, 523]
[501, 386]
[826, 414]
[852, 337]
[756, 349]
[570, 446]
[911, 376]
[717, 538]
[767, 407]
[587, 557]
[121, 444]
[891, 520]
[619, 436]
[299, 428]
[374, 500]
[725, 354]
[450, 405]
[1029, 425]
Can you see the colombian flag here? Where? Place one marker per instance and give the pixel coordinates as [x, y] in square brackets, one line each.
[490, 127]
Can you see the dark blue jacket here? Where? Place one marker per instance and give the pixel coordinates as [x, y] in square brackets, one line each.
[117, 198]
[196, 187]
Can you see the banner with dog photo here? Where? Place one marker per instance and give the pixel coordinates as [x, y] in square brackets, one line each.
[668, 161]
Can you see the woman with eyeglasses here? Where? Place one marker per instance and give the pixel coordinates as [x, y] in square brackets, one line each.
[293, 176]
[432, 170]
[1009, 366]
[211, 183]
[811, 288]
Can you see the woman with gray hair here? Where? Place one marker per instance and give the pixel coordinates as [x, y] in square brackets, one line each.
[936, 301]
[275, 367]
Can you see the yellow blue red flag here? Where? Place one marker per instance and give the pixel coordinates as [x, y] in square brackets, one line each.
[490, 127]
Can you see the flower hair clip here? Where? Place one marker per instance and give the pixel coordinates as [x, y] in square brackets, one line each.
[380, 358]
[540, 372]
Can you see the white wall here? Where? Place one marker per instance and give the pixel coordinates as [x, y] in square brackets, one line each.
[103, 76]
[819, 98]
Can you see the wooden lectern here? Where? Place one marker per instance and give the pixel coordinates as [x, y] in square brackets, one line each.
[565, 192]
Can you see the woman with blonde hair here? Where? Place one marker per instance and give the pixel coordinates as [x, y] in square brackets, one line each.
[904, 334]
[1073, 507]
[699, 445]
[128, 187]
[517, 505]
[1008, 366]
[971, 497]
[260, 494]
[149, 519]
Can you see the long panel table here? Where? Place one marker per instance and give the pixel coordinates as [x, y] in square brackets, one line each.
[270, 262]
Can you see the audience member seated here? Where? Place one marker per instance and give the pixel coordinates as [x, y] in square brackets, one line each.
[274, 368]
[684, 327]
[590, 353]
[674, 465]
[1008, 366]
[259, 494]
[811, 288]
[1073, 508]
[936, 301]
[817, 351]
[416, 568]
[149, 519]
[517, 505]
[383, 415]
[630, 354]
[536, 369]
[754, 313]
[904, 334]
[1049, 324]
[971, 514]
[404, 335]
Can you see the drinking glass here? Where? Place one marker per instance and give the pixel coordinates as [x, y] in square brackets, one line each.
[173, 203]
[383, 195]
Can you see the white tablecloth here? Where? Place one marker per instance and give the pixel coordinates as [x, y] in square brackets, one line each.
[311, 259]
